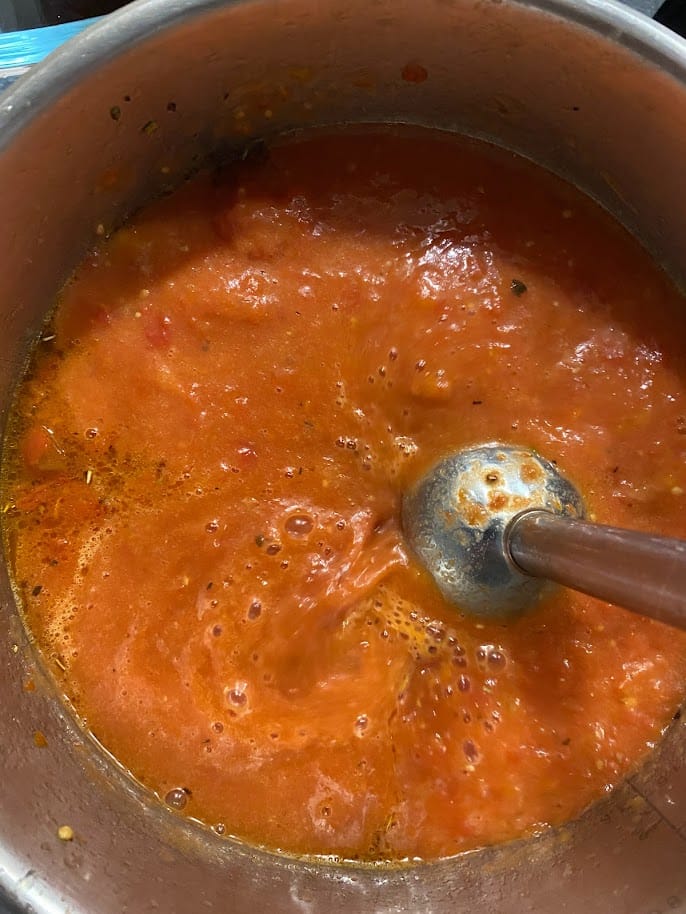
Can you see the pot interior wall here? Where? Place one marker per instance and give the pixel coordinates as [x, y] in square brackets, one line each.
[124, 113]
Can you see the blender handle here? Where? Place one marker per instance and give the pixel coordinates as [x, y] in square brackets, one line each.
[639, 571]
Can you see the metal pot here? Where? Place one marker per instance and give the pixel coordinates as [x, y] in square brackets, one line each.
[585, 87]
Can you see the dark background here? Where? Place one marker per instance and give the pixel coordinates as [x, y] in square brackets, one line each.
[29, 14]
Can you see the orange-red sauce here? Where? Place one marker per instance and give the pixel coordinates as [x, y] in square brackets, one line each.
[204, 485]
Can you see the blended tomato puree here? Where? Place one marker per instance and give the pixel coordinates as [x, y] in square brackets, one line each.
[204, 476]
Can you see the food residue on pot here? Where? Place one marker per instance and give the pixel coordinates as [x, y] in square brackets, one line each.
[65, 833]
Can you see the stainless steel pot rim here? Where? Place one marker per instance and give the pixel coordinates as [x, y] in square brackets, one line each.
[144, 18]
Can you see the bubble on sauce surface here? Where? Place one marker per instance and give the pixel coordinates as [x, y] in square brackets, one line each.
[177, 798]
[255, 610]
[471, 752]
[361, 725]
[497, 659]
[464, 683]
[299, 525]
[491, 657]
[237, 698]
[399, 453]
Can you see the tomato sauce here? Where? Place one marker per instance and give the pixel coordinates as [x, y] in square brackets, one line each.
[205, 468]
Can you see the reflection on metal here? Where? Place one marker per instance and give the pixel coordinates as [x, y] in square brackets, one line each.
[456, 519]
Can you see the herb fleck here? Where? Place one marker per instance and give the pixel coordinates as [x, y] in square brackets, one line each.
[518, 287]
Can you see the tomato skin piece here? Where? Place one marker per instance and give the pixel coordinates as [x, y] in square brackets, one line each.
[40, 451]
[158, 330]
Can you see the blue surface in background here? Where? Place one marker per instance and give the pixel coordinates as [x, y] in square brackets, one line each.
[32, 45]
[19, 50]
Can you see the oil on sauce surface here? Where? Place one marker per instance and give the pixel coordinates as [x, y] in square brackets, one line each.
[203, 493]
